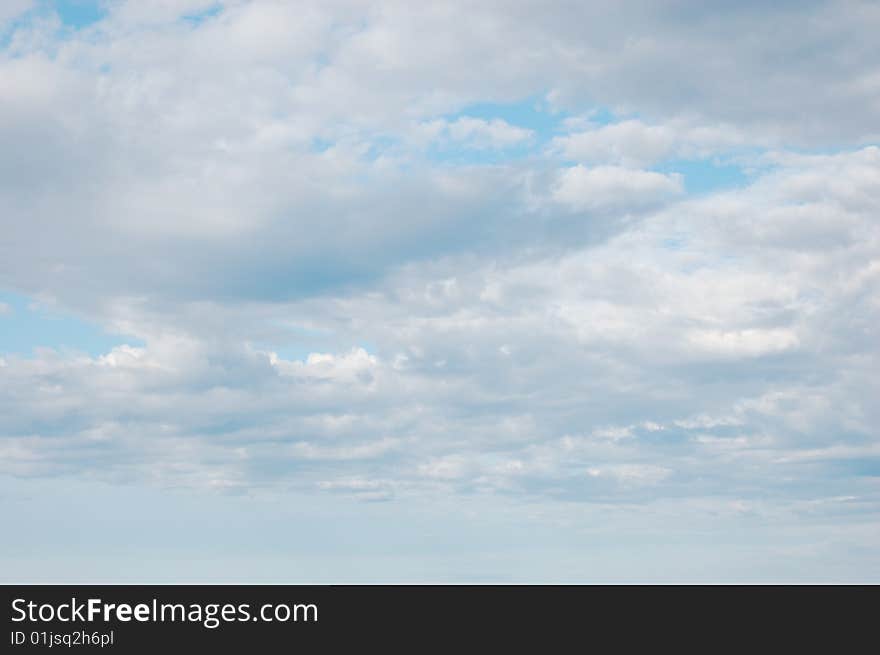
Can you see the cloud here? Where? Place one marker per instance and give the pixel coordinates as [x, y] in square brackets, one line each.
[12, 9]
[495, 133]
[611, 187]
[636, 144]
[469, 133]
[744, 342]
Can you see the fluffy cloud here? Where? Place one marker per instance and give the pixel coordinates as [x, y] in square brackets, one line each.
[640, 358]
[474, 133]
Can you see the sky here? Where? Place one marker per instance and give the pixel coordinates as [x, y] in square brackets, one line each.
[439, 292]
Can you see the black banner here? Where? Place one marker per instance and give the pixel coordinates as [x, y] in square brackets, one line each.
[151, 619]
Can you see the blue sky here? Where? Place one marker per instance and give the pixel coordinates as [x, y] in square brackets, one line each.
[352, 293]
[28, 325]
[76, 13]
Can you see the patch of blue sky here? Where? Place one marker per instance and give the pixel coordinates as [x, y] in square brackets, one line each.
[26, 325]
[73, 14]
[300, 350]
[321, 145]
[458, 155]
[76, 13]
[533, 113]
[706, 175]
[79, 14]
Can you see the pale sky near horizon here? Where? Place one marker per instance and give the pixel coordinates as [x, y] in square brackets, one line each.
[439, 292]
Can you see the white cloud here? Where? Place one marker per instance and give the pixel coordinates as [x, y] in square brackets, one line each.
[634, 143]
[11, 9]
[494, 133]
[469, 133]
[611, 187]
[744, 342]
